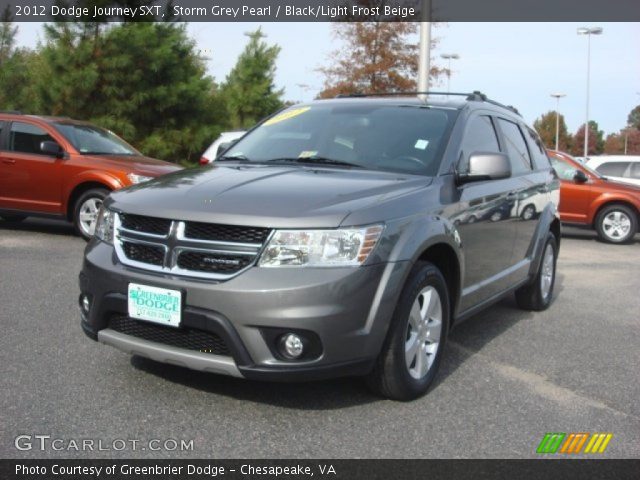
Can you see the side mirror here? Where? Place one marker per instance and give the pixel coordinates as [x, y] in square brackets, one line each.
[224, 146]
[51, 148]
[486, 166]
[580, 177]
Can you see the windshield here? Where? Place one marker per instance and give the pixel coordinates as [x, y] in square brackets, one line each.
[405, 139]
[88, 139]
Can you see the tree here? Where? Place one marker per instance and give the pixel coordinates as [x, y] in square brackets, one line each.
[596, 140]
[633, 120]
[16, 68]
[376, 56]
[249, 89]
[614, 144]
[145, 81]
[546, 128]
[8, 33]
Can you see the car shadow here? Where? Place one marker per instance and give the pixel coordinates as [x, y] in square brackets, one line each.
[472, 335]
[590, 235]
[39, 225]
[313, 395]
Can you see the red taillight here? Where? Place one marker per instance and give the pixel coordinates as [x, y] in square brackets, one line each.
[204, 161]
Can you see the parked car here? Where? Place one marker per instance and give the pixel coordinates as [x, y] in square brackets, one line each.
[63, 168]
[590, 200]
[223, 142]
[621, 168]
[324, 243]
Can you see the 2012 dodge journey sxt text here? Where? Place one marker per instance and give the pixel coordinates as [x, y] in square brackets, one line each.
[339, 237]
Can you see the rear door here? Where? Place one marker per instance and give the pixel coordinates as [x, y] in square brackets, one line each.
[484, 219]
[31, 181]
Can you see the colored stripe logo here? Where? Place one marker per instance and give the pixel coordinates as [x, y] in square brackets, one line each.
[573, 443]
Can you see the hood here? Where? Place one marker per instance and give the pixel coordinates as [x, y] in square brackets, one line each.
[619, 186]
[264, 196]
[150, 167]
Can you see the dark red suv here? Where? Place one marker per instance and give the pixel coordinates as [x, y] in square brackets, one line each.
[53, 166]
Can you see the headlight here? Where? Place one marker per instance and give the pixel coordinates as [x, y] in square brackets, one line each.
[104, 225]
[135, 178]
[320, 248]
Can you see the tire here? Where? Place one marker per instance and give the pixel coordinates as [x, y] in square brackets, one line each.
[528, 212]
[86, 210]
[13, 218]
[616, 224]
[401, 376]
[538, 294]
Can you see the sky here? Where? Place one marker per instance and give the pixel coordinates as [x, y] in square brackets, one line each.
[519, 64]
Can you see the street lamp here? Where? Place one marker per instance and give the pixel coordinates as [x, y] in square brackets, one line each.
[558, 96]
[449, 57]
[588, 31]
[424, 54]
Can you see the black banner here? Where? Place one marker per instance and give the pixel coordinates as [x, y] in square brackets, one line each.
[319, 469]
[323, 10]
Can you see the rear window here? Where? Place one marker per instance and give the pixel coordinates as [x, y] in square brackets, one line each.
[613, 169]
[516, 147]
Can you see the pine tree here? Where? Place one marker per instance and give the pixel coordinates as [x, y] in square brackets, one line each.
[249, 89]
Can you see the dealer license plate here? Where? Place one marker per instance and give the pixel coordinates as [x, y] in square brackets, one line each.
[153, 304]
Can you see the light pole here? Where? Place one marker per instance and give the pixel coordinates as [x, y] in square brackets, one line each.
[558, 96]
[424, 55]
[588, 31]
[449, 57]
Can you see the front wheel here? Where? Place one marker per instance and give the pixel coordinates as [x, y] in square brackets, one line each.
[413, 348]
[616, 224]
[538, 294]
[85, 213]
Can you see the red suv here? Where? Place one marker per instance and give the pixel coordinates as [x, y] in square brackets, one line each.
[589, 199]
[58, 167]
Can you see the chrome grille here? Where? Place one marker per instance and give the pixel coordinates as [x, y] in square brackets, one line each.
[192, 249]
[144, 253]
[226, 233]
[139, 223]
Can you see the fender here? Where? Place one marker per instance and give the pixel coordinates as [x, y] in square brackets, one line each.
[607, 197]
[419, 233]
[91, 176]
[548, 215]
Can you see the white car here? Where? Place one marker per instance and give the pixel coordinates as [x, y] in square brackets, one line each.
[621, 168]
[223, 141]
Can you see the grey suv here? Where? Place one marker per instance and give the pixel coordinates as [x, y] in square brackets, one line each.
[339, 237]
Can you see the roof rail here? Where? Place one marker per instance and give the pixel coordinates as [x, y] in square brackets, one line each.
[389, 94]
[475, 96]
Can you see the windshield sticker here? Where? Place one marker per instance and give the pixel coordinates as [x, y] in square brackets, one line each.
[308, 154]
[421, 144]
[286, 116]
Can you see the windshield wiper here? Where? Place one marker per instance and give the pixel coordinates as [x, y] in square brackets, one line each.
[317, 160]
[237, 158]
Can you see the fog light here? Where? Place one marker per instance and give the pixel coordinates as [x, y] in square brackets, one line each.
[291, 345]
[85, 304]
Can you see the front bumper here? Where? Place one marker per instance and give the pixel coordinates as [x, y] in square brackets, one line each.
[346, 309]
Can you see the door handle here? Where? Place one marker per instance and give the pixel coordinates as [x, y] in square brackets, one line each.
[8, 161]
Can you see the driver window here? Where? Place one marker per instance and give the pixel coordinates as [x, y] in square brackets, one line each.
[26, 138]
[565, 170]
[479, 137]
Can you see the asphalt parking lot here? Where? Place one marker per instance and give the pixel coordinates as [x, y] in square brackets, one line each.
[508, 376]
